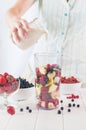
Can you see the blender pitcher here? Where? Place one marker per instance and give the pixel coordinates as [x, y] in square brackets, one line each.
[47, 79]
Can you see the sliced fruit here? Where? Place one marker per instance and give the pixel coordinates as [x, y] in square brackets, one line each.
[38, 91]
[42, 70]
[10, 78]
[51, 75]
[49, 83]
[52, 88]
[51, 105]
[56, 80]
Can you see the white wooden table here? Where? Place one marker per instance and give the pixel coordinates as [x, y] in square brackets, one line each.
[47, 119]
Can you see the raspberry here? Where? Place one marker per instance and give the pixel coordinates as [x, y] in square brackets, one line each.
[77, 96]
[42, 79]
[11, 110]
[71, 79]
[44, 90]
[48, 66]
[54, 65]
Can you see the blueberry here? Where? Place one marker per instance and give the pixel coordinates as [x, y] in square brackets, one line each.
[69, 105]
[62, 108]
[59, 112]
[46, 79]
[24, 83]
[78, 105]
[30, 110]
[21, 109]
[61, 101]
[72, 100]
[27, 108]
[69, 110]
[73, 104]
[50, 70]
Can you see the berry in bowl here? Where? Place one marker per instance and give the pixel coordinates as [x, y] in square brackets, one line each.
[69, 85]
[9, 85]
[25, 92]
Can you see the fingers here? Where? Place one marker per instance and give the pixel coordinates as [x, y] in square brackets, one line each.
[25, 25]
[20, 31]
[15, 37]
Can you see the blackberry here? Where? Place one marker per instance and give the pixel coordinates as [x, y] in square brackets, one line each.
[31, 85]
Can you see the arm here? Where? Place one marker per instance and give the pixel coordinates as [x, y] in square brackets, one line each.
[18, 26]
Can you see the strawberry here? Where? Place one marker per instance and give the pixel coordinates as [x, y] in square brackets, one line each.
[11, 110]
[5, 74]
[2, 80]
[8, 88]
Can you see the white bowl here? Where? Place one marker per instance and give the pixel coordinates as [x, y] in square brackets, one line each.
[71, 88]
[24, 94]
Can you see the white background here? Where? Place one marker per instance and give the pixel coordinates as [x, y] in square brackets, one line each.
[12, 59]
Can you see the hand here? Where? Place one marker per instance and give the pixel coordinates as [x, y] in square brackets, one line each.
[19, 30]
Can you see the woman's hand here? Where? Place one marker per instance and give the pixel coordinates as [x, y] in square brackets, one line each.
[19, 30]
[19, 27]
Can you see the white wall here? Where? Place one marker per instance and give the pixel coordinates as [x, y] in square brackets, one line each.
[12, 59]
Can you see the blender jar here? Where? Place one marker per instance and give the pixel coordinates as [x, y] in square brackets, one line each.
[47, 79]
